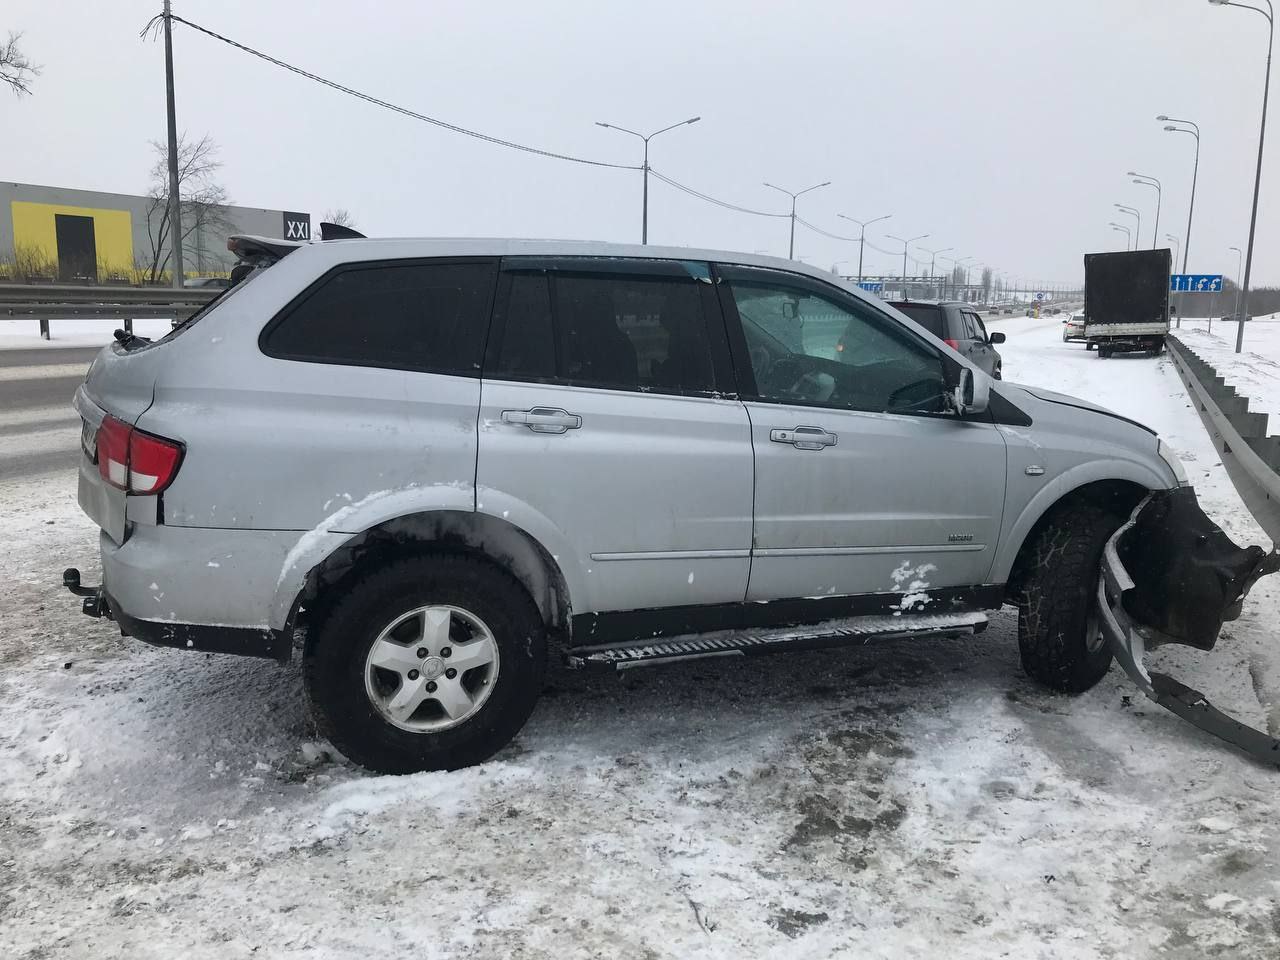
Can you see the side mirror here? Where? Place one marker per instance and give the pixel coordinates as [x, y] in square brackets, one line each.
[972, 393]
[999, 337]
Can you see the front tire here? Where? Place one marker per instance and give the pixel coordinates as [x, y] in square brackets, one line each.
[1059, 636]
[427, 663]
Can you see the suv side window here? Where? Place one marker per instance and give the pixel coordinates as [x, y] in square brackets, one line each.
[407, 315]
[619, 331]
[806, 346]
[980, 331]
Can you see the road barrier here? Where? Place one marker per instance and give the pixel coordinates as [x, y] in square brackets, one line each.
[42, 302]
[1250, 456]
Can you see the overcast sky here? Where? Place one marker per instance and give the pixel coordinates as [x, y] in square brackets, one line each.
[1002, 128]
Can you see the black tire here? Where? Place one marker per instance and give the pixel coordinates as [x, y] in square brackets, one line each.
[1088, 347]
[335, 663]
[1103, 352]
[1056, 600]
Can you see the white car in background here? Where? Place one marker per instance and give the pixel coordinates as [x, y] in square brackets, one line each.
[1073, 328]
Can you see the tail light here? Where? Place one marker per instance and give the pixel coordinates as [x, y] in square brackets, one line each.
[953, 344]
[840, 345]
[135, 461]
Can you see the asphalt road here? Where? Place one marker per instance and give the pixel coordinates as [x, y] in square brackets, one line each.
[39, 429]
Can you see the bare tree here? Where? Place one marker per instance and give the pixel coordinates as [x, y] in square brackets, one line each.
[340, 217]
[15, 69]
[203, 199]
[986, 284]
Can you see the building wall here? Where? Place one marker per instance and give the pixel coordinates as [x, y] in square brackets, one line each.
[124, 225]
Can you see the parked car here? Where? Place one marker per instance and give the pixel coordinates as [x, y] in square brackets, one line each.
[1073, 328]
[959, 326]
[439, 459]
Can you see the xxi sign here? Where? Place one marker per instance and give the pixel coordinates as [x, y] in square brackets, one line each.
[297, 226]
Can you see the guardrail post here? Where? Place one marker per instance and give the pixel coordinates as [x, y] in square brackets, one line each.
[44, 329]
[128, 325]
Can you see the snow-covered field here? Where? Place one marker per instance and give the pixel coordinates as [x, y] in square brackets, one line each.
[25, 334]
[896, 800]
[1255, 371]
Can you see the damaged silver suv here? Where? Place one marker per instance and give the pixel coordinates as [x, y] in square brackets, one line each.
[434, 461]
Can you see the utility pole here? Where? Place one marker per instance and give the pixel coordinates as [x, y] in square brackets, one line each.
[862, 235]
[791, 248]
[644, 203]
[175, 201]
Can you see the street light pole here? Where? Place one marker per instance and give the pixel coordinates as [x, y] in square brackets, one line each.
[1137, 214]
[1144, 180]
[644, 207]
[905, 244]
[1177, 248]
[1128, 234]
[1239, 257]
[1269, 13]
[862, 235]
[791, 249]
[1195, 175]
[175, 198]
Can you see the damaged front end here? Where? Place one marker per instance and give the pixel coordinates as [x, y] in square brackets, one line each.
[1171, 575]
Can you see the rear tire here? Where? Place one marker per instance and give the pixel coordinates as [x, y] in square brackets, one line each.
[1059, 635]
[424, 613]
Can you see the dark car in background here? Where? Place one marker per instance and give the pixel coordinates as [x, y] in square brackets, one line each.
[959, 325]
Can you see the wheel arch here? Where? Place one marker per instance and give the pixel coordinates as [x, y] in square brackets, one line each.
[490, 538]
[1117, 494]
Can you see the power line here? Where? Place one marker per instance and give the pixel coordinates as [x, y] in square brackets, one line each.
[710, 199]
[341, 88]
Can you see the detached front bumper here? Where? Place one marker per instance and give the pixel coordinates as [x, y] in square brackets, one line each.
[1188, 578]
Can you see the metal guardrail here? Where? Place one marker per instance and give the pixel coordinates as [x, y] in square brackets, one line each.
[46, 302]
[1251, 458]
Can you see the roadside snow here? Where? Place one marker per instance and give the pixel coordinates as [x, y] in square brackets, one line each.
[25, 334]
[1254, 372]
[902, 799]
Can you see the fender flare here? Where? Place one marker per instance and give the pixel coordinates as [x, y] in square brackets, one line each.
[1054, 491]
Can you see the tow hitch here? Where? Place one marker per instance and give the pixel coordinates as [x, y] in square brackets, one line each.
[94, 602]
[1171, 575]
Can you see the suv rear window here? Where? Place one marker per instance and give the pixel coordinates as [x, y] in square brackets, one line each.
[427, 316]
[927, 315]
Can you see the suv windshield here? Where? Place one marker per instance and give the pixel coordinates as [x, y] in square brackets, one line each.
[927, 315]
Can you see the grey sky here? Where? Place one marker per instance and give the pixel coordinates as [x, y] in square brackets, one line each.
[1001, 128]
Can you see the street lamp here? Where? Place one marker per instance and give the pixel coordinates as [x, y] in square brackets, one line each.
[862, 235]
[1128, 234]
[792, 248]
[1269, 13]
[933, 257]
[1144, 180]
[1137, 214]
[644, 214]
[905, 244]
[1195, 173]
[1177, 246]
[966, 262]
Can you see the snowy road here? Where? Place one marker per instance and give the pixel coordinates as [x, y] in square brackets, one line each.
[903, 799]
[39, 430]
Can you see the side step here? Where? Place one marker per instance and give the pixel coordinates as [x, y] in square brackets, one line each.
[729, 643]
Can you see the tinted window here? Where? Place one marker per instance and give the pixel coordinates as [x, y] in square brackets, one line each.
[528, 348]
[804, 347]
[409, 316]
[979, 330]
[625, 332]
[929, 317]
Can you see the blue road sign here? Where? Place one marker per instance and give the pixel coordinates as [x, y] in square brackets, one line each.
[872, 286]
[1195, 283]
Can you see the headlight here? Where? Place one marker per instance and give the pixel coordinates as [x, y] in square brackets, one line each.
[1171, 458]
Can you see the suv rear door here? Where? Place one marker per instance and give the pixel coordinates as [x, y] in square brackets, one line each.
[975, 346]
[606, 435]
[863, 485]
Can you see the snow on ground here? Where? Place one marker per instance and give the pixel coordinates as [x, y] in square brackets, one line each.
[904, 799]
[1255, 371]
[25, 334]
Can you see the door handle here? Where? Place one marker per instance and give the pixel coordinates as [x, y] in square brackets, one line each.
[544, 419]
[804, 438]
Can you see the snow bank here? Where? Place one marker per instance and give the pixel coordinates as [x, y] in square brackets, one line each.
[1254, 372]
[25, 334]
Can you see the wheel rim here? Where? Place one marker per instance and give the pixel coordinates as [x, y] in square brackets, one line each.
[431, 668]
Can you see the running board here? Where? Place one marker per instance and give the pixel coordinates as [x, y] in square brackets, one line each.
[731, 643]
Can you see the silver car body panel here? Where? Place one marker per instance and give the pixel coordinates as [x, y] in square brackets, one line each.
[650, 503]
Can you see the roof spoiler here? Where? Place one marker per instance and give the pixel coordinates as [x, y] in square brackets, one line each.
[270, 249]
[336, 231]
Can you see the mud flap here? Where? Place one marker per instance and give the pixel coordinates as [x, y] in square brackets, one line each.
[1190, 579]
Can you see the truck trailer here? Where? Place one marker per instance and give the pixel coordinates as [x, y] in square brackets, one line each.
[1126, 301]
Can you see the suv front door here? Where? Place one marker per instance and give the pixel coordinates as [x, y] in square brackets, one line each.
[606, 435]
[864, 484]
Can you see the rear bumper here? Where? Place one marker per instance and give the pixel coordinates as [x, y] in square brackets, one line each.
[1192, 614]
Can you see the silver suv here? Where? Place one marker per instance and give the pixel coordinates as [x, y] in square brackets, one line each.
[434, 460]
